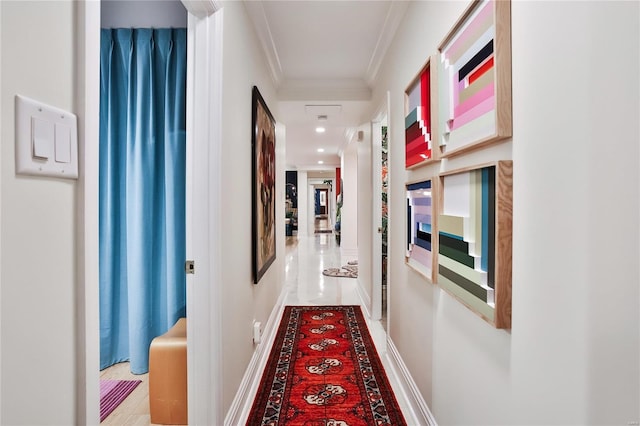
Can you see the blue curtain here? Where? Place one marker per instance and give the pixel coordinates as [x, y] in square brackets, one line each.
[142, 190]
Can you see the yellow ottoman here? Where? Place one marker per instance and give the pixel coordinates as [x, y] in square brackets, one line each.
[168, 376]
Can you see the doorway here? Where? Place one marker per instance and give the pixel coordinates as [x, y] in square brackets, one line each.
[204, 113]
[321, 202]
[380, 192]
[322, 207]
[142, 200]
[291, 203]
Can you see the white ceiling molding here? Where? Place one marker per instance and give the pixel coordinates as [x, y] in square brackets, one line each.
[397, 10]
[201, 8]
[256, 12]
[349, 134]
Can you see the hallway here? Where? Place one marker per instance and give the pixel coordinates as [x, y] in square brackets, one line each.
[571, 354]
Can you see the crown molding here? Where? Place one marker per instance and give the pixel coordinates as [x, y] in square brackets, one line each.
[202, 8]
[396, 12]
[349, 135]
[258, 16]
[294, 90]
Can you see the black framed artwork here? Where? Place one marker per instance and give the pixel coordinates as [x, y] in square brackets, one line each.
[263, 142]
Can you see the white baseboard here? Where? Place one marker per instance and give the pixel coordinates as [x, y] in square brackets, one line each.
[241, 404]
[409, 388]
[364, 299]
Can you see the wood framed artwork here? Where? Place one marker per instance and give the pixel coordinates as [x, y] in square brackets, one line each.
[474, 79]
[263, 142]
[422, 247]
[419, 105]
[475, 238]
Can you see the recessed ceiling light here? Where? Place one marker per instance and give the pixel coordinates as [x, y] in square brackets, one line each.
[320, 149]
[320, 129]
[320, 162]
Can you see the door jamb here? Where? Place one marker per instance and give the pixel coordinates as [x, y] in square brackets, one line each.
[87, 106]
[204, 300]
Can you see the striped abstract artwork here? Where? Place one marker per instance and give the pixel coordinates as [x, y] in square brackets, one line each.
[418, 131]
[467, 81]
[419, 227]
[468, 228]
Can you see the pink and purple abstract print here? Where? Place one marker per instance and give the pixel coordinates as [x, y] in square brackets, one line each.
[467, 81]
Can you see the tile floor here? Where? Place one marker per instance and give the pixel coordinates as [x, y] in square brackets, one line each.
[305, 258]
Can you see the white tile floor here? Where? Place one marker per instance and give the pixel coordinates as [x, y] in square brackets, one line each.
[305, 285]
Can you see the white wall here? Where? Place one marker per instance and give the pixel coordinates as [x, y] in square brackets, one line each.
[38, 234]
[586, 136]
[349, 211]
[243, 67]
[143, 14]
[572, 354]
[365, 212]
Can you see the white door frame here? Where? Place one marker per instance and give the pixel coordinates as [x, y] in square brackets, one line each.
[87, 107]
[381, 114]
[204, 118]
[203, 136]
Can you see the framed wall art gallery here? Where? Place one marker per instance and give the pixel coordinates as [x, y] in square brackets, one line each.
[459, 223]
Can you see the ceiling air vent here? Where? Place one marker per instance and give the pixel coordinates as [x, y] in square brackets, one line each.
[323, 109]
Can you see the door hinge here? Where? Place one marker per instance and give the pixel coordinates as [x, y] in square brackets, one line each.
[189, 267]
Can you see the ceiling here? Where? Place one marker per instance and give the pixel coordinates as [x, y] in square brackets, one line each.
[323, 57]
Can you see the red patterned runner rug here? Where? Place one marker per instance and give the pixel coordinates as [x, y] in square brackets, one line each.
[324, 370]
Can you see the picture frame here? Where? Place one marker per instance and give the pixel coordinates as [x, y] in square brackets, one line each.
[263, 140]
[474, 79]
[421, 122]
[475, 227]
[422, 214]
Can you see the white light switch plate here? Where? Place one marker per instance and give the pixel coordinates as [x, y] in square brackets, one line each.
[50, 146]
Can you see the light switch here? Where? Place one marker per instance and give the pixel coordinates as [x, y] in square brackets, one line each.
[41, 137]
[46, 140]
[63, 143]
